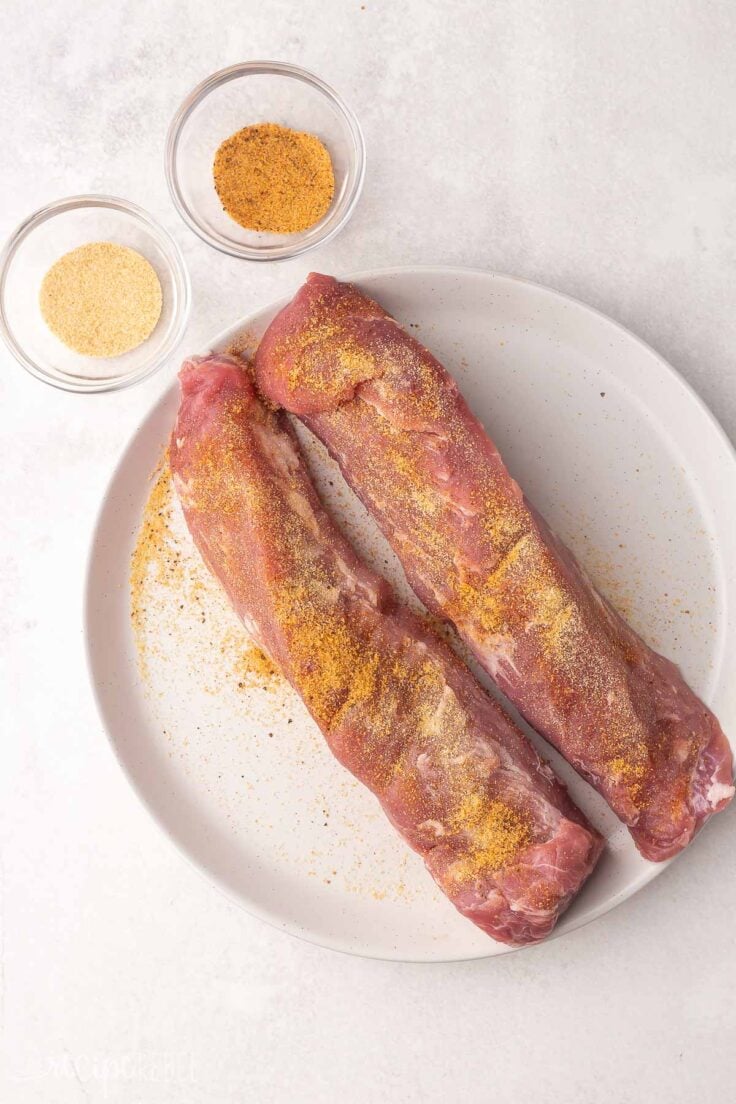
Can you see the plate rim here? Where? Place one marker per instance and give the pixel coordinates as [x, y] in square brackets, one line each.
[496, 950]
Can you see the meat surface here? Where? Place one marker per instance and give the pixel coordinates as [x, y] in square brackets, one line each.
[455, 776]
[479, 555]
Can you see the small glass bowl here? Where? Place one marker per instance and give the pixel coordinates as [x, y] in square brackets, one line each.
[260, 92]
[45, 237]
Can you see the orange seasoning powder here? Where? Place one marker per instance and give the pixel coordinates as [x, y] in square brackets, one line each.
[275, 179]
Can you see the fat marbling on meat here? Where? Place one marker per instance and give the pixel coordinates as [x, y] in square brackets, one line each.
[458, 780]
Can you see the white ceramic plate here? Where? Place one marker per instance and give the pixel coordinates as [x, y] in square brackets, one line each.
[625, 462]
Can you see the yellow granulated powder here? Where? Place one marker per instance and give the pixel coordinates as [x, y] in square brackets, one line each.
[275, 179]
[496, 833]
[101, 299]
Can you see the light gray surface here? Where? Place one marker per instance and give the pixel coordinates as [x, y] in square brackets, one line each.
[588, 146]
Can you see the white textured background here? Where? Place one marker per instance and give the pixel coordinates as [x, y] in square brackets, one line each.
[587, 145]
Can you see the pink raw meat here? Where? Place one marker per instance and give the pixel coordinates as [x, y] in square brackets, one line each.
[455, 776]
[479, 555]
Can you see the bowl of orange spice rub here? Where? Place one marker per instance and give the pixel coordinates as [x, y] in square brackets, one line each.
[264, 161]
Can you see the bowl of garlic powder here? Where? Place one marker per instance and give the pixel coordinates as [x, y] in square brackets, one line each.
[94, 294]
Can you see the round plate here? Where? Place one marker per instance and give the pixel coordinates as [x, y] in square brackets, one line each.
[599, 431]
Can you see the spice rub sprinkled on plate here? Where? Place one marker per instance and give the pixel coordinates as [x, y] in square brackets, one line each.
[165, 579]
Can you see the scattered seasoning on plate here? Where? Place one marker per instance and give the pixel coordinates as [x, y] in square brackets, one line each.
[275, 179]
[171, 592]
[101, 299]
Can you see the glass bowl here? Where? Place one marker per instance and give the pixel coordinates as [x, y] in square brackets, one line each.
[260, 92]
[45, 237]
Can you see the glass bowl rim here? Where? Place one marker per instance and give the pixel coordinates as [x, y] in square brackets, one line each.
[198, 95]
[175, 263]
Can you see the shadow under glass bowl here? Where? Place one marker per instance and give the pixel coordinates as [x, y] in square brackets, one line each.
[245, 94]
